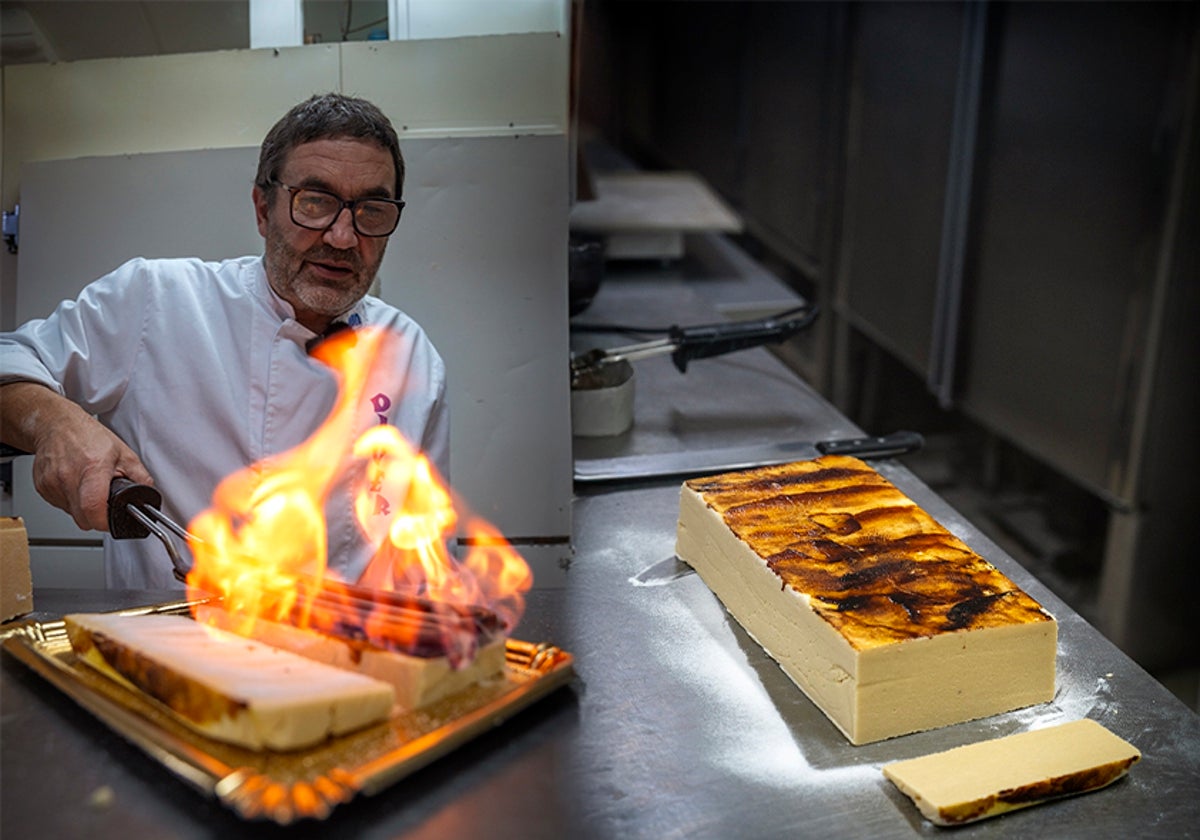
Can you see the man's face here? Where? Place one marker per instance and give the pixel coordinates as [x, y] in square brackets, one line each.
[324, 273]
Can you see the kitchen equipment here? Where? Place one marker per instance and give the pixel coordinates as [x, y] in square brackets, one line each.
[707, 462]
[648, 215]
[602, 400]
[701, 342]
[602, 382]
[134, 512]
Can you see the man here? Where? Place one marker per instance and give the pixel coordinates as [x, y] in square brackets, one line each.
[193, 370]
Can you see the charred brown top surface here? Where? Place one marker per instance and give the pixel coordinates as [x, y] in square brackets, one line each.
[876, 566]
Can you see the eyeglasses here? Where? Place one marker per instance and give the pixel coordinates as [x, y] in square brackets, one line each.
[318, 210]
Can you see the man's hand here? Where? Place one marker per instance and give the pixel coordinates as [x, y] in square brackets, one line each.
[75, 456]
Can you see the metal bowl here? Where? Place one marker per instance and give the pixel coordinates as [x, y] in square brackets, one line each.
[602, 401]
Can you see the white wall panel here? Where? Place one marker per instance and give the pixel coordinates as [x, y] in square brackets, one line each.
[119, 106]
[508, 84]
[481, 260]
[455, 18]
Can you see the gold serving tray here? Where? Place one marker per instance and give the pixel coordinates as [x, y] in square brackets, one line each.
[286, 786]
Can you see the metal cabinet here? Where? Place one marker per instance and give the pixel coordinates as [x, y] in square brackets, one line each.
[1070, 214]
[904, 64]
[1059, 246]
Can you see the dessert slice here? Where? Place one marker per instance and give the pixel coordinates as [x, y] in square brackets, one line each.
[993, 777]
[886, 620]
[416, 680]
[227, 687]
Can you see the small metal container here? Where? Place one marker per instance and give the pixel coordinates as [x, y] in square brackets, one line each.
[602, 401]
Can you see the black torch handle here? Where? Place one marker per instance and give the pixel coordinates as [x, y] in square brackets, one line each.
[708, 340]
[122, 495]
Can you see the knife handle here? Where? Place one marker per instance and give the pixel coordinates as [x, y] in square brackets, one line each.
[122, 495]
[884, 446]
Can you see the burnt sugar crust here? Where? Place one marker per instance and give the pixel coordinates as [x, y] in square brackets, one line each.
[889, 622]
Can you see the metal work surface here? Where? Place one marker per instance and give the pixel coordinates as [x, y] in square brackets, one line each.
[688, 729]
[691, 730]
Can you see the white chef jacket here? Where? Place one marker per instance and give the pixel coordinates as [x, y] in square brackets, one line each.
[202, 370]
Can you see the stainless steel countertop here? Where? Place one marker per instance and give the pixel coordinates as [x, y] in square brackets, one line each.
[687, 729]
[692, 730]
[678, 725]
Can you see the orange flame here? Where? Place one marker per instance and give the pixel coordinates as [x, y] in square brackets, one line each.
[262, 545]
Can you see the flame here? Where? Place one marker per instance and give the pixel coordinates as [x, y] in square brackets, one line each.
[262, 545]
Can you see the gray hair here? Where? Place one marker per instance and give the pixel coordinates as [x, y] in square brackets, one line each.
[322, 117]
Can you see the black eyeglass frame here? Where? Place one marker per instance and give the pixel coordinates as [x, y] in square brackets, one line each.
[343, 204]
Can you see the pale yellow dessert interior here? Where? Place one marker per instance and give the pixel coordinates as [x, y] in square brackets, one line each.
[992, 777]
[227, 687]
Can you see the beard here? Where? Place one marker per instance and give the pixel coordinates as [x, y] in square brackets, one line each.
[294, 277]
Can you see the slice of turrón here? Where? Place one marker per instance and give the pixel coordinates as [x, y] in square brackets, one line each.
[887, 621]
[226, 687]
[993, 777]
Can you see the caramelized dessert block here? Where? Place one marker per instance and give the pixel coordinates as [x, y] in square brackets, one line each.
[886, 620]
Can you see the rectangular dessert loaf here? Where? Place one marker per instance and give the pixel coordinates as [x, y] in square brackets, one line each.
[227, 687]
[886, 620]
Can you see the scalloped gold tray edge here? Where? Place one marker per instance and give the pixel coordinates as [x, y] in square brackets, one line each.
[310, 783]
